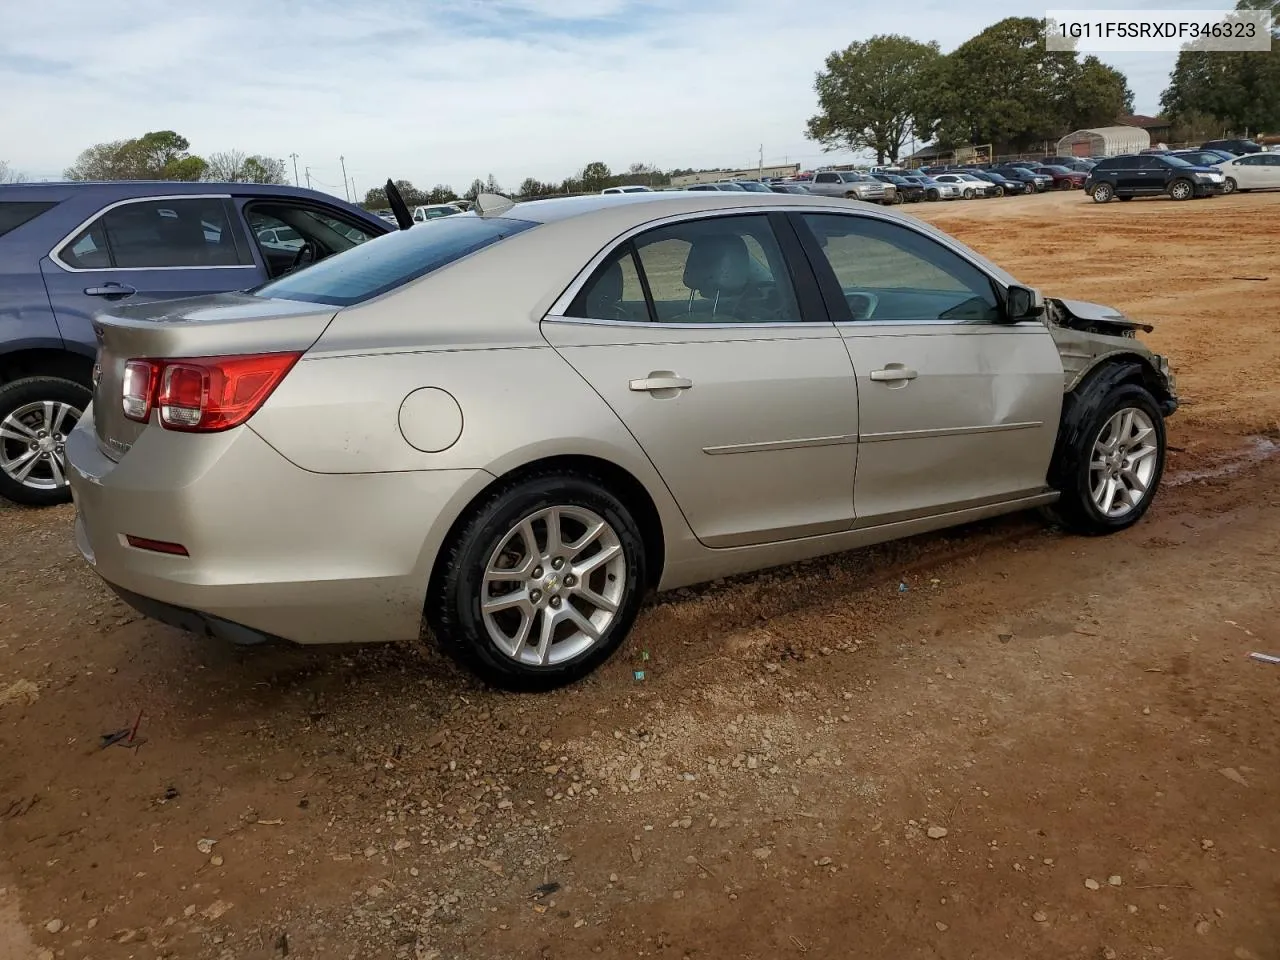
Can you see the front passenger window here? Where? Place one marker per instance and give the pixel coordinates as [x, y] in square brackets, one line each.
[891, 272]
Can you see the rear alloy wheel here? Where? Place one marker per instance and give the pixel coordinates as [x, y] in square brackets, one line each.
[36, 414]
[932, 195]
[1182, 190]
[968, 193]
[541, 585]
[1102, 193]
[1230, 185]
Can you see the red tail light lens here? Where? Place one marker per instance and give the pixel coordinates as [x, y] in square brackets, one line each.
[203, 394]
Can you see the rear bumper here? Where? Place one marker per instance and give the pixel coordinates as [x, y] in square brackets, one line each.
[273, 549]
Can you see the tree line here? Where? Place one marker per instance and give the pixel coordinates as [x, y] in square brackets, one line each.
[1004, 87]
[166, 155]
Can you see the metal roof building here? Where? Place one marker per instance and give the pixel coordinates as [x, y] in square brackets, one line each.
[1104, 142]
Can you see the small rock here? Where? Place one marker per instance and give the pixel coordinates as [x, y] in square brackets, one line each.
[216, 909]
[1092, 884]
[402, 844]
[216, 860]
[1040, 917]
[613, 878]
[1203, 927]
[189, 910]
[1108, 954]
[44, 955]
[285, 777]
[937, 833]
[54, 926]
[762, 853]
[942, 927]
[1206, 844]
[677, 894]
[92, 922]
[1146, 711]
[1114, 880]
[1232, 774]
[634, 775]
[370, 851]
[1132, 908]
[205, 845]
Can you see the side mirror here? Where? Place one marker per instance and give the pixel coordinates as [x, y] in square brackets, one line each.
[1022, 303]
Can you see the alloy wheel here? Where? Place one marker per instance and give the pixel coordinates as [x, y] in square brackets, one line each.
[553, 586]
[33, 444]
[1123, 462]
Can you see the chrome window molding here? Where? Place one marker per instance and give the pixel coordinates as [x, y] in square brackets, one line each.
[556, 314]
[61, 244]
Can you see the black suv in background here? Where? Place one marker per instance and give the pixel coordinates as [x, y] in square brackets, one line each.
[1150, 175]
[1238, 147]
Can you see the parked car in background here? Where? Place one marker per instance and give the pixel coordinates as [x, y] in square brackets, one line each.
[935, 189]
[69, 250]
[1238, 146]
[1254, 171]
[1151, 175]
[906, 190]
[752, 186]
[628, 188]
[1004, 186]
[1081, 164]
[1061, 177]
[434, 211]
[971, 187]
[1202, 158]
[1034, 181]
[793, 188]
[846, 183]
[723, 187]
[364, 467]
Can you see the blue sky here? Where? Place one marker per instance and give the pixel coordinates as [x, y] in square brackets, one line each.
[448, 90]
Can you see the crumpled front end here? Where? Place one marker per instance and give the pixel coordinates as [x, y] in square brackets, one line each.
[1090, 334]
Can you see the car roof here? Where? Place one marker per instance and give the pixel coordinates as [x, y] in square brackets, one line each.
[121, 189]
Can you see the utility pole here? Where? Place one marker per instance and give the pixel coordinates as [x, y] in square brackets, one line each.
[294, 158]
[343, 161]
[307, 171]
[762, 161]
[354, 192]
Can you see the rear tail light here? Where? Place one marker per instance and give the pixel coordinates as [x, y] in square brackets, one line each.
[202, 394]
[156, 546]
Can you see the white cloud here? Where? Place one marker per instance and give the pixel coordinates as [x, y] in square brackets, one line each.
[451, 90]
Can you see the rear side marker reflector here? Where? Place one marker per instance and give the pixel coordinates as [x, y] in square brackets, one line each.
[202, 394]
[156, 546]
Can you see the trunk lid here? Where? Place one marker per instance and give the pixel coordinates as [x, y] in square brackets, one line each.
[210, 326]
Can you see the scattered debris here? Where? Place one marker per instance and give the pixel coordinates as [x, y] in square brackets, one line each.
[282, 944]
[1115, 880]
[1232, 774]
[937, 833]
[1040, 917]
[18, 807]
[762, 853]
[545, 889]
[205, 845]
[216, 909]
[54, 926]
[20, 691]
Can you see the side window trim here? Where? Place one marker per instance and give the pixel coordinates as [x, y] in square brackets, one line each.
[804, 283]
[829, 284]
[55, 253]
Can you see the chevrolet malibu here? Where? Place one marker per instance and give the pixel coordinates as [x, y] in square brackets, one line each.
[517, 423]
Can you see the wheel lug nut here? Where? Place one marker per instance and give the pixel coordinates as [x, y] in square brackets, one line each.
[535, 595]
[537, 571]
[570, 580]
[557, 563]
[555, 601]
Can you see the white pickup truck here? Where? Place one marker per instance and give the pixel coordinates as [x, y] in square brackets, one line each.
[851, 185]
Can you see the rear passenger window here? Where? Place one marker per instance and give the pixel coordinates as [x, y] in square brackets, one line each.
[149, 234]
[719, 270]
[14, 213]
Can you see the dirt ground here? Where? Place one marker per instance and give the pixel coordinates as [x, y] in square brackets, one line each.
[997, 742]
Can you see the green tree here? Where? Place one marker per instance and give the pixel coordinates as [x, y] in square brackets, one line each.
[1240, 91]
[160, 155]
[596, 176]
[491, 185]
[375, 199]
[533, 187]
[477, 187]
[233, 166]
[441, 193]
[1004, 87]
[870, 94]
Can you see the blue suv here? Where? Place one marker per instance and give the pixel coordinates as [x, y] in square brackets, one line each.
[68, 250]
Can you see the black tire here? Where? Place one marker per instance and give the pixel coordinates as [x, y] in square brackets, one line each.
[999, 191]
[1229, 185]
[1103, 192]
[1086, 412]
[1123, 199]
[969, 193]
[40, 488]
[932, 195]
[1182, 190]
[453, 604]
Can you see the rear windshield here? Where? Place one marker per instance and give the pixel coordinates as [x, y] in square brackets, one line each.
[390, 261]
[14, 213]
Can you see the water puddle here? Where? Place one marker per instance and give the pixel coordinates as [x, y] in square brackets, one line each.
[1259, 450]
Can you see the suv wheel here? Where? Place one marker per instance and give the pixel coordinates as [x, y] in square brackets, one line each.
[541, 585]
[1229, 185]
[1182, 190]
[36, 414]
[932, 194]
[1103, 192]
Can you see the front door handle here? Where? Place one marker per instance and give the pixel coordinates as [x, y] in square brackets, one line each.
[893, 373]
[659, 381]
[110, 289]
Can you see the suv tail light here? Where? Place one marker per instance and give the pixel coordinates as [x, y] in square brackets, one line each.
[202, 394]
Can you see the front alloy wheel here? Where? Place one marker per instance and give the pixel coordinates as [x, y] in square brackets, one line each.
[1124, 462]
[1182, 190]
[1229, 185]
[36, 415]
[1102, 193]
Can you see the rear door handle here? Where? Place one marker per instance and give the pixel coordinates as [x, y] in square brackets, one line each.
[892, 374]
[110, 289]
[653, 383]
